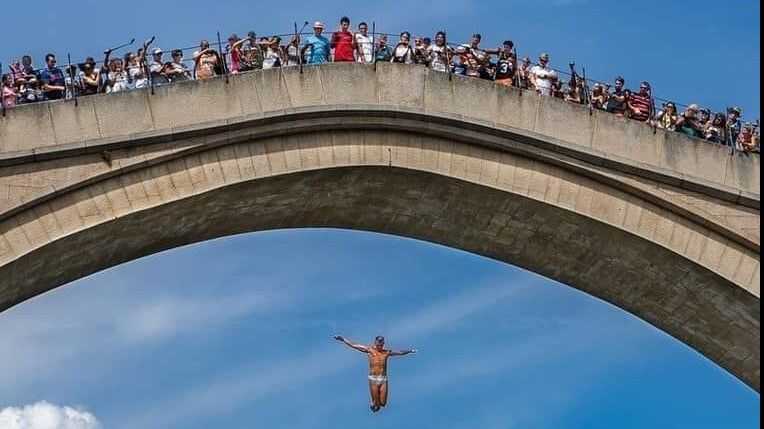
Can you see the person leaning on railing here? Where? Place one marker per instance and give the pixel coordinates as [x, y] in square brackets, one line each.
[714, 129]
[640, 104]
[668, 117]
[403, 53]
[689, 123]
[384, 53]
[343, 43]
[207, 62]
[319, 46]
[9, 95]
[543, 77]
[53, 80]
[177, 71]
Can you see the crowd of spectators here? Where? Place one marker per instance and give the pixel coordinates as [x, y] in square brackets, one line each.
[134, 70]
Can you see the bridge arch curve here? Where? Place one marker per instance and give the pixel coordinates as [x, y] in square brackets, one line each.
[597, 229]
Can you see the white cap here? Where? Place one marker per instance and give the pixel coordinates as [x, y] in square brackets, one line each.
[157, 51]
[318, 24]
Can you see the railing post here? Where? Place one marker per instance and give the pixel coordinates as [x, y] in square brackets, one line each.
[374, 44]
[587, 94]
[73, 77]
[2, 95]
[299, 42]
[223, 56]
[448, 56]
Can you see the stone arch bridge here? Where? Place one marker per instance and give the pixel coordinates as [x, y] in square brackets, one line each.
[664, 227]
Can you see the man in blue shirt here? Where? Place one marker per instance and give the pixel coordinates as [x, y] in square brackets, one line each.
[320, 46]
[53, 80]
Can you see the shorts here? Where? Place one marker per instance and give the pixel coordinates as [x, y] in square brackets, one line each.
[378, 380]
[505, 82]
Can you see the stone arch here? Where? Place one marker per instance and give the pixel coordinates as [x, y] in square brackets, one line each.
[582, 230]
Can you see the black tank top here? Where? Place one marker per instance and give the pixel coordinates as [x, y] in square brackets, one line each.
[505, 69]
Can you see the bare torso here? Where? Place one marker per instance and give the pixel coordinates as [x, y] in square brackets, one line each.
[378, 361]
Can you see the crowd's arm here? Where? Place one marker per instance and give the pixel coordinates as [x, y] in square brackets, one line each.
[134, 70]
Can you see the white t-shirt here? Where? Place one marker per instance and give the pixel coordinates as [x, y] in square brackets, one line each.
[437, 58]
[544, 77]
[119, 81]
[403, 53]
[365, 45]
[139, 78]
[271, 59]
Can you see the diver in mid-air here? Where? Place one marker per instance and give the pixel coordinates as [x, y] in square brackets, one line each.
[378, 355]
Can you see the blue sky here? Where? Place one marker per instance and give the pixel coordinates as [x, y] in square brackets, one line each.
[705, 51]
[235, 333]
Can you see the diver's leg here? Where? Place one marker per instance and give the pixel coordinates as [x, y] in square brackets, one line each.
[374, 393]
[383, 393]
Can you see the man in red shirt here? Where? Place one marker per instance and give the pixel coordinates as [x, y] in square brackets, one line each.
[343, 43]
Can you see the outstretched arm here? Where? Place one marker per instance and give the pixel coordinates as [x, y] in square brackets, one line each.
[403, 353]
[361, 348]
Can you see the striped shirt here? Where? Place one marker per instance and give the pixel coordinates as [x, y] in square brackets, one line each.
[643, 103]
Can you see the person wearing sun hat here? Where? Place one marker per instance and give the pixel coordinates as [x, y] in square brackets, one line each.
[319, 46]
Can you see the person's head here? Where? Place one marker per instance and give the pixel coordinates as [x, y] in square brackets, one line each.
[157, 54]
[645, 88]
[705, 115]
[6, 80]
[734, 113]
[619, 83]
[670, 107]
[91, 61]
[508, 46]
[86, 67]
[544, 59]
[26, 60]
[177, 56]
[405, 37]
[440, 38]
[526, 62]
[426, 41]
[718, 120]
[50, 60]
[130, 58]
[252, 35]
[379, 343]
[383, 41]
[598, 89]
[318, 28]
[275, 42]
[363, 28]
[345, 23]
[232, 39]
[475, 40]
[204, 45]
[115, 65]
[692, 111]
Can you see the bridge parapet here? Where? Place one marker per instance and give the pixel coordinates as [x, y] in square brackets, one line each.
[50, 130]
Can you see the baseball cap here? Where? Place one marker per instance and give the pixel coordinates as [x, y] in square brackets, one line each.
[157, 51]
[318, 24]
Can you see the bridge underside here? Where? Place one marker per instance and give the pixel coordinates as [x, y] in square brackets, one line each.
[695, 305]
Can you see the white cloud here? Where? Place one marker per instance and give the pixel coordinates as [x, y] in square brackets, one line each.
[44, 415]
